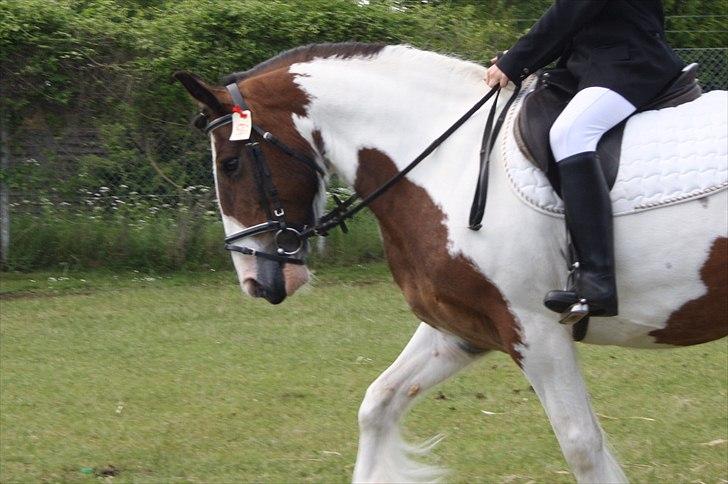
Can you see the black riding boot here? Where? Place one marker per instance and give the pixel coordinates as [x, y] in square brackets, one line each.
[589, 219]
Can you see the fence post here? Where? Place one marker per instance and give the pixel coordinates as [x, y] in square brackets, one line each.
[4, 193]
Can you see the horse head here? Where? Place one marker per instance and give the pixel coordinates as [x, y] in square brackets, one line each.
[266, 194]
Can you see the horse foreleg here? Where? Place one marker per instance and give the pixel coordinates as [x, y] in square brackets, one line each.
[429, 358]
[549, 362]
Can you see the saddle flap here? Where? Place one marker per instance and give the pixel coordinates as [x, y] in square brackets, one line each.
[539, 111]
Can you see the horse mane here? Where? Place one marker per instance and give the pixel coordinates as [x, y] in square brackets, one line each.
[306, 53]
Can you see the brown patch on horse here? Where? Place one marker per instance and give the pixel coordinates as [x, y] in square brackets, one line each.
[444, 291]
[705, 318]
[273, 97]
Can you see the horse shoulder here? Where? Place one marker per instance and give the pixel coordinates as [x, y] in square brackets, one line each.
[444, 290]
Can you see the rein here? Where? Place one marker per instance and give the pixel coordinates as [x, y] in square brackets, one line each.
[290, 240]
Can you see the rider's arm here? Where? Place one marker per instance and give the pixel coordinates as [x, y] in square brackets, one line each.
[547, 39]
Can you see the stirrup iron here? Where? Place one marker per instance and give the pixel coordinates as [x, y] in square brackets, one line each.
[575, 313]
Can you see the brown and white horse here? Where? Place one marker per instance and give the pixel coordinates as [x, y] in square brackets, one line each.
[364, 112]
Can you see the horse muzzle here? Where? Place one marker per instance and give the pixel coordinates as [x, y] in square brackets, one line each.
[269, 282]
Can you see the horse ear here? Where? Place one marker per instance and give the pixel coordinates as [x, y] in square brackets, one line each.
[210, 96]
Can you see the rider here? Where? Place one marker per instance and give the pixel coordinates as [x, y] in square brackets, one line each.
[616, 50]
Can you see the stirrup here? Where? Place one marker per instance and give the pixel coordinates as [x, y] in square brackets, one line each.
[560, 301]
[575, 313]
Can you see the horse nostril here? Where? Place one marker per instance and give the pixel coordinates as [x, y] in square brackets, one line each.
[256, 289]
[253, 288]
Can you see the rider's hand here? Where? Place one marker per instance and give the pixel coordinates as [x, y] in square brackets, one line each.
[496, 77]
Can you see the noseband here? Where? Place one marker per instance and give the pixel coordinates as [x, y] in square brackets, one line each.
[290, 239]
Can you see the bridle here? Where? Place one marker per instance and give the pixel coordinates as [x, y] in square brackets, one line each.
[290, 239]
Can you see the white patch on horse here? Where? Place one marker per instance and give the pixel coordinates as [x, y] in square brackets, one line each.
[365, 110]
[246, 266]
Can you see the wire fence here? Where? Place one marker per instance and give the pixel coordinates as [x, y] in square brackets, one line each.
[85, 168]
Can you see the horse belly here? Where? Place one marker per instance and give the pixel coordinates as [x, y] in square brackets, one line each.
[672, 270]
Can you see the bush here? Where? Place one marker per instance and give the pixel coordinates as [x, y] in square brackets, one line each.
[153, 234]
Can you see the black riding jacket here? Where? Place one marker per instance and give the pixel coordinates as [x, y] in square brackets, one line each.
[617, 44]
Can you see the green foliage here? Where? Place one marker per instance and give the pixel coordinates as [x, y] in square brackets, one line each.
[135, 236]
[118, 230]
[697, 23]
[51, 50]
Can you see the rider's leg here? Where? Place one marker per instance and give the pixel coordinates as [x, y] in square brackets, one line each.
[574, 137]
[590, 114]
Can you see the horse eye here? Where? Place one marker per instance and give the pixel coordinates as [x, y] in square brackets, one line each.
[230, 165]
[200, 121]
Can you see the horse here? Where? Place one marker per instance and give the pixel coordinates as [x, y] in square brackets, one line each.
[363, 112]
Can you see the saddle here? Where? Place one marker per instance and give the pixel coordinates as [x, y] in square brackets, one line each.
[554, 89]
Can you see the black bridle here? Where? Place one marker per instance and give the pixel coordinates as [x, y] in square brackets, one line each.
[290, 239]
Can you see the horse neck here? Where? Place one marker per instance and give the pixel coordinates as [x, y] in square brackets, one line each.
[395, 103]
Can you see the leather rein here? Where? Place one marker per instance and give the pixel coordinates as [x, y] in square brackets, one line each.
[291, 239]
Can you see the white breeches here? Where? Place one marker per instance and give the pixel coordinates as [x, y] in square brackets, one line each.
[590, 114]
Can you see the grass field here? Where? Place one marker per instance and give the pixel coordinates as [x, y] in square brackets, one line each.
[181, 379]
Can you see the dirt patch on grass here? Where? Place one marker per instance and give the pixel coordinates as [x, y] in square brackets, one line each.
[10, 296]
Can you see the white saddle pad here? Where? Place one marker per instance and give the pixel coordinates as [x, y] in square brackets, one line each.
[668, 156]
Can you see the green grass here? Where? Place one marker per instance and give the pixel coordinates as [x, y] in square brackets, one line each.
[181, 379]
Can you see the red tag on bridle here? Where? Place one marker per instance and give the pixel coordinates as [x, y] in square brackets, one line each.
[239, 110]
[242, 124]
